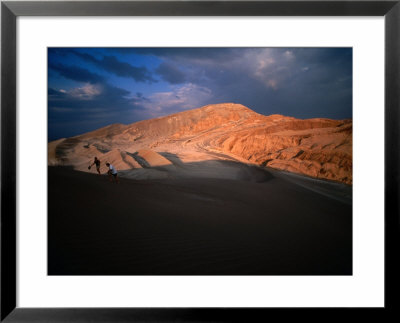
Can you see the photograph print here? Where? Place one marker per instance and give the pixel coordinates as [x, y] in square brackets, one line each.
[200, 161]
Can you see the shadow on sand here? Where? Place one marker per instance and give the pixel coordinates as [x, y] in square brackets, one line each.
[216, 169]
[251, 224]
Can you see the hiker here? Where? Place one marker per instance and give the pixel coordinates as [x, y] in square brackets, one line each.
[97, 162]
[112, 172]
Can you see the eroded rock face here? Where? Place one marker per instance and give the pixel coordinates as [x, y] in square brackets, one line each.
[320, 148]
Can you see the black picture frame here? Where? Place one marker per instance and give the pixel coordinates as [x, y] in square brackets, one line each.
[11, 10]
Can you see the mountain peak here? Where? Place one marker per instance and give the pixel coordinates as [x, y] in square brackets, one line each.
[226, 105]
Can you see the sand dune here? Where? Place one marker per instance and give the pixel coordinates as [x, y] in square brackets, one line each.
[320, 148]
[264, 223]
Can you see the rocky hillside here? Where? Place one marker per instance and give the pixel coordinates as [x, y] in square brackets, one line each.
[319, 148]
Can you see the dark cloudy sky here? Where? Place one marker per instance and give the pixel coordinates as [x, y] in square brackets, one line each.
[89, 88]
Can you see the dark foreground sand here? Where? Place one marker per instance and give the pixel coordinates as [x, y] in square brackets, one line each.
[270, 226]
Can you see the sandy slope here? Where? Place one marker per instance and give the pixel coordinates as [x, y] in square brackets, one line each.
[261, 224]
[319, 148]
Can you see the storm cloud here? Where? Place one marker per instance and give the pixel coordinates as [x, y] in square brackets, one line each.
[76, 73]
[113, 65]
[171, 73]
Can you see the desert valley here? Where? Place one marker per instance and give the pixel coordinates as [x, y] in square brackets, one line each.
[218, 190]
